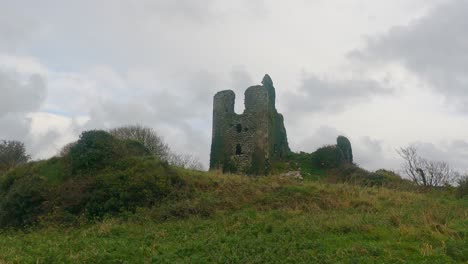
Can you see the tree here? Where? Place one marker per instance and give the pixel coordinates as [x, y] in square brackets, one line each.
[151, 140]
[12, 154]
[66, 149]
[462, 189]
[145, 135]
[185, 161]
[426, 172]
[94, 150]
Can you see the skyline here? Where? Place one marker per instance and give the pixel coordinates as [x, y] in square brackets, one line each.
[385, 75]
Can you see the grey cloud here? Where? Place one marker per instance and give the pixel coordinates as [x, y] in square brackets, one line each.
[14, 126]
[454, 152]
[46, 143]
[15, 28]
[324, 135]
[331, 95]
[241, 79]
[20, 96]
[435, 48]
[369, 153]
[193, 10]
[179, 108]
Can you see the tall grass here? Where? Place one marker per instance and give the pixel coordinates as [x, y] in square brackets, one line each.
[237, 219]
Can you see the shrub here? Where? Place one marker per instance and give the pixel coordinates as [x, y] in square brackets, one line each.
[12, 154]
[123, 186]
[462, 189]
[25, 190]
[381, 178]
[65, 150]
[132, 148]
[97, 149]
[21, 199]
[94, 150]
[147, 136]
[27, 195]
[328, 157]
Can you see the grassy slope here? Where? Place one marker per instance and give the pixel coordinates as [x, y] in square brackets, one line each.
[238, 219]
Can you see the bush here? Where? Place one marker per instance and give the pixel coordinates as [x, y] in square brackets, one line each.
[12, 154]
[94, 150]
[328, 157]
[133, 184]
[462, 189]
[49, 189]
[34, 192]
[147, 136]
[97, 149]
[121, 187]
[21, 199]
[381, 178]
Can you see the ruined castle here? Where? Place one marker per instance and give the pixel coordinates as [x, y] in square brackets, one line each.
[250, 142]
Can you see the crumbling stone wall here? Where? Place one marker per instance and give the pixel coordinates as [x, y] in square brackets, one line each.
[250, 142]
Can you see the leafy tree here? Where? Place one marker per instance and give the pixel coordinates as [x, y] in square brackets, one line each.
[66, 149]
[12, 154]
[95, 149]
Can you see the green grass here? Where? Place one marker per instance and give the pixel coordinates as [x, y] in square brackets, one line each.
[237, 219]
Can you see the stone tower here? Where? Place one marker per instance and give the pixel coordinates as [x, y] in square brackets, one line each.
[250, 142]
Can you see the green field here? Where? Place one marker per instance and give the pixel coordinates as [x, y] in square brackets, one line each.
[237, 219]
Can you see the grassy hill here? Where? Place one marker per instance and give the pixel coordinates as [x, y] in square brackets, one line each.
[237, 219]
[109, 201]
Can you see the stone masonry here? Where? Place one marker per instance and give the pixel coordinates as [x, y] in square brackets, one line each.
[250, 142]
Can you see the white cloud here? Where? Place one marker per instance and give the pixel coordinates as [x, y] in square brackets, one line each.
[160, 62]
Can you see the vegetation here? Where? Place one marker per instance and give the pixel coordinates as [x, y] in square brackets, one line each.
[12, 154]
[146, 136]
[328, 157]
[462, 189]
[100, 176]
[426, 172]
[149, 138]
[110, 200]
[229, 218]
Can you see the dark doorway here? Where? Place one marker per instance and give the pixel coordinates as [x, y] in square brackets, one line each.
[239, 128]
[238, 149]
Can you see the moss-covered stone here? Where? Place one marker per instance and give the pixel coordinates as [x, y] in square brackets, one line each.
[345, 145]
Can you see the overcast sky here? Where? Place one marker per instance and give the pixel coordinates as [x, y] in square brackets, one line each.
[383, 73]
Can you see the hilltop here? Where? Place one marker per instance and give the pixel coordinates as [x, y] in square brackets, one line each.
[138, 209]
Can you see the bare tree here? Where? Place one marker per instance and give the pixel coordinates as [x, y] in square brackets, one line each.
[426, 172]
[150, 139]
[186, 161]
[145, 135]
[12, 154]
